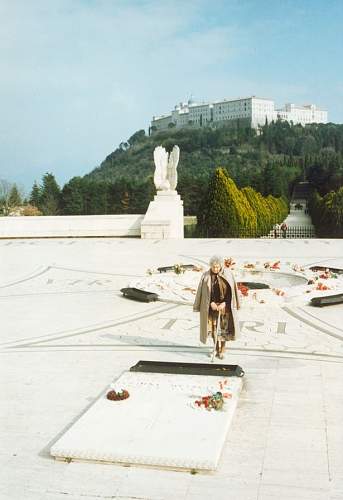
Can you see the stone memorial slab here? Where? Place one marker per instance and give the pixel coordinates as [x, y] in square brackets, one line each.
[158, 425]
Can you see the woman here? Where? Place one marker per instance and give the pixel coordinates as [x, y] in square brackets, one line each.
[217, 293]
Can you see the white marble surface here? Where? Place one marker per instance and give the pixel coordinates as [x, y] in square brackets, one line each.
[71, 225]
[157, 425]
[66, 331]
[289, 284]
[164, 217]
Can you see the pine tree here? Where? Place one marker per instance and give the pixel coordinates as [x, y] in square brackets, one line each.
[50, 195]
[35, 195]
[72, 197]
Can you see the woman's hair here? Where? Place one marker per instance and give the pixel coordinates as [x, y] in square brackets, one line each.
[216, 259]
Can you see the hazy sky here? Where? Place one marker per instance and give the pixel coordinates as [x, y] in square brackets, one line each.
[77, 77]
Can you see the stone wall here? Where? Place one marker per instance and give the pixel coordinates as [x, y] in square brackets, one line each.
[71, 226]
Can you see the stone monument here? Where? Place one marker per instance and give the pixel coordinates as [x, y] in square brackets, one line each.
[164, 217]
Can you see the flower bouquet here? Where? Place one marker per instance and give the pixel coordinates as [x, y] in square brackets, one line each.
[117, 396]
[213, 401]
[243, 289]
[229, 262]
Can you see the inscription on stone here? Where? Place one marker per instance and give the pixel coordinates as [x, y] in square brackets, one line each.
[278, 327]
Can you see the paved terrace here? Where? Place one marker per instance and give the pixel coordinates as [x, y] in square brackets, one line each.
[298, 218]
[67, 332]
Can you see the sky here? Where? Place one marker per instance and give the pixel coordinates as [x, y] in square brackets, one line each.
[77, 77]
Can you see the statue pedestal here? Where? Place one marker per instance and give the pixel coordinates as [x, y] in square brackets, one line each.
[164, 217]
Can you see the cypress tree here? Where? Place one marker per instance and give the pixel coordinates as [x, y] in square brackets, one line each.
[220, 215]
[337, 214]
[245, 216]
[256, 202]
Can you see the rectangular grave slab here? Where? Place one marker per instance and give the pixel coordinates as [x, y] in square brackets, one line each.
[140, 295]
[158, 425]
[327, 300]
[219, 370]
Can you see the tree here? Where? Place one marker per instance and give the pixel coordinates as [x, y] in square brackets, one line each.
[327, 213]
[274, 178]
[14, 197]
[246, 224]
[228, 213]
[231, 212]
[35, 196]
[72, 197]
[10, 197]
[219, 213]
[259, 206]
[95, 196]
[193, 190]
[337, 214]
[5, 190]
[137, 137]
[123, 146]
[50, 195]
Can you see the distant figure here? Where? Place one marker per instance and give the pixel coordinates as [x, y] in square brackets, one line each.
[276, 230]
[217, 292]
[284, 229]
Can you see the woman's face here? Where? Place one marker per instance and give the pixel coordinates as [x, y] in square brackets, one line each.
[215, 268]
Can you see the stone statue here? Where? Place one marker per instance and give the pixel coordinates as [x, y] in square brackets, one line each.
[165, 177]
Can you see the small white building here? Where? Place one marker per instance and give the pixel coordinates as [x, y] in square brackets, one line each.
[251, 111]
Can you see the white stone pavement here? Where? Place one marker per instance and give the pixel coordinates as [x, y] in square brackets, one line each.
[67, 332]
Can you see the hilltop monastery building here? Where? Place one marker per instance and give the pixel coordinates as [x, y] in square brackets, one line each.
[251, 111]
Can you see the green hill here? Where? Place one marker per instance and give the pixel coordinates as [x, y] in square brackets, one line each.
[241, 151]
[271, 160]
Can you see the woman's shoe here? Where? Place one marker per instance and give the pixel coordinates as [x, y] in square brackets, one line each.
[221, 355]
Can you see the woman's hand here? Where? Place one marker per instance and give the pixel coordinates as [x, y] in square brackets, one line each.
[221, 307]
[214, 306]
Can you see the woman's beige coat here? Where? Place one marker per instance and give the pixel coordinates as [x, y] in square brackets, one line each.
[202, 301]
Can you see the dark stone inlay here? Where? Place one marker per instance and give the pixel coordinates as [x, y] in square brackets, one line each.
[140, 295]
[188, 368]
[327, 300]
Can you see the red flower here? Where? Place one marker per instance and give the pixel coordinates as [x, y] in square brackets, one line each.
[243, 289]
